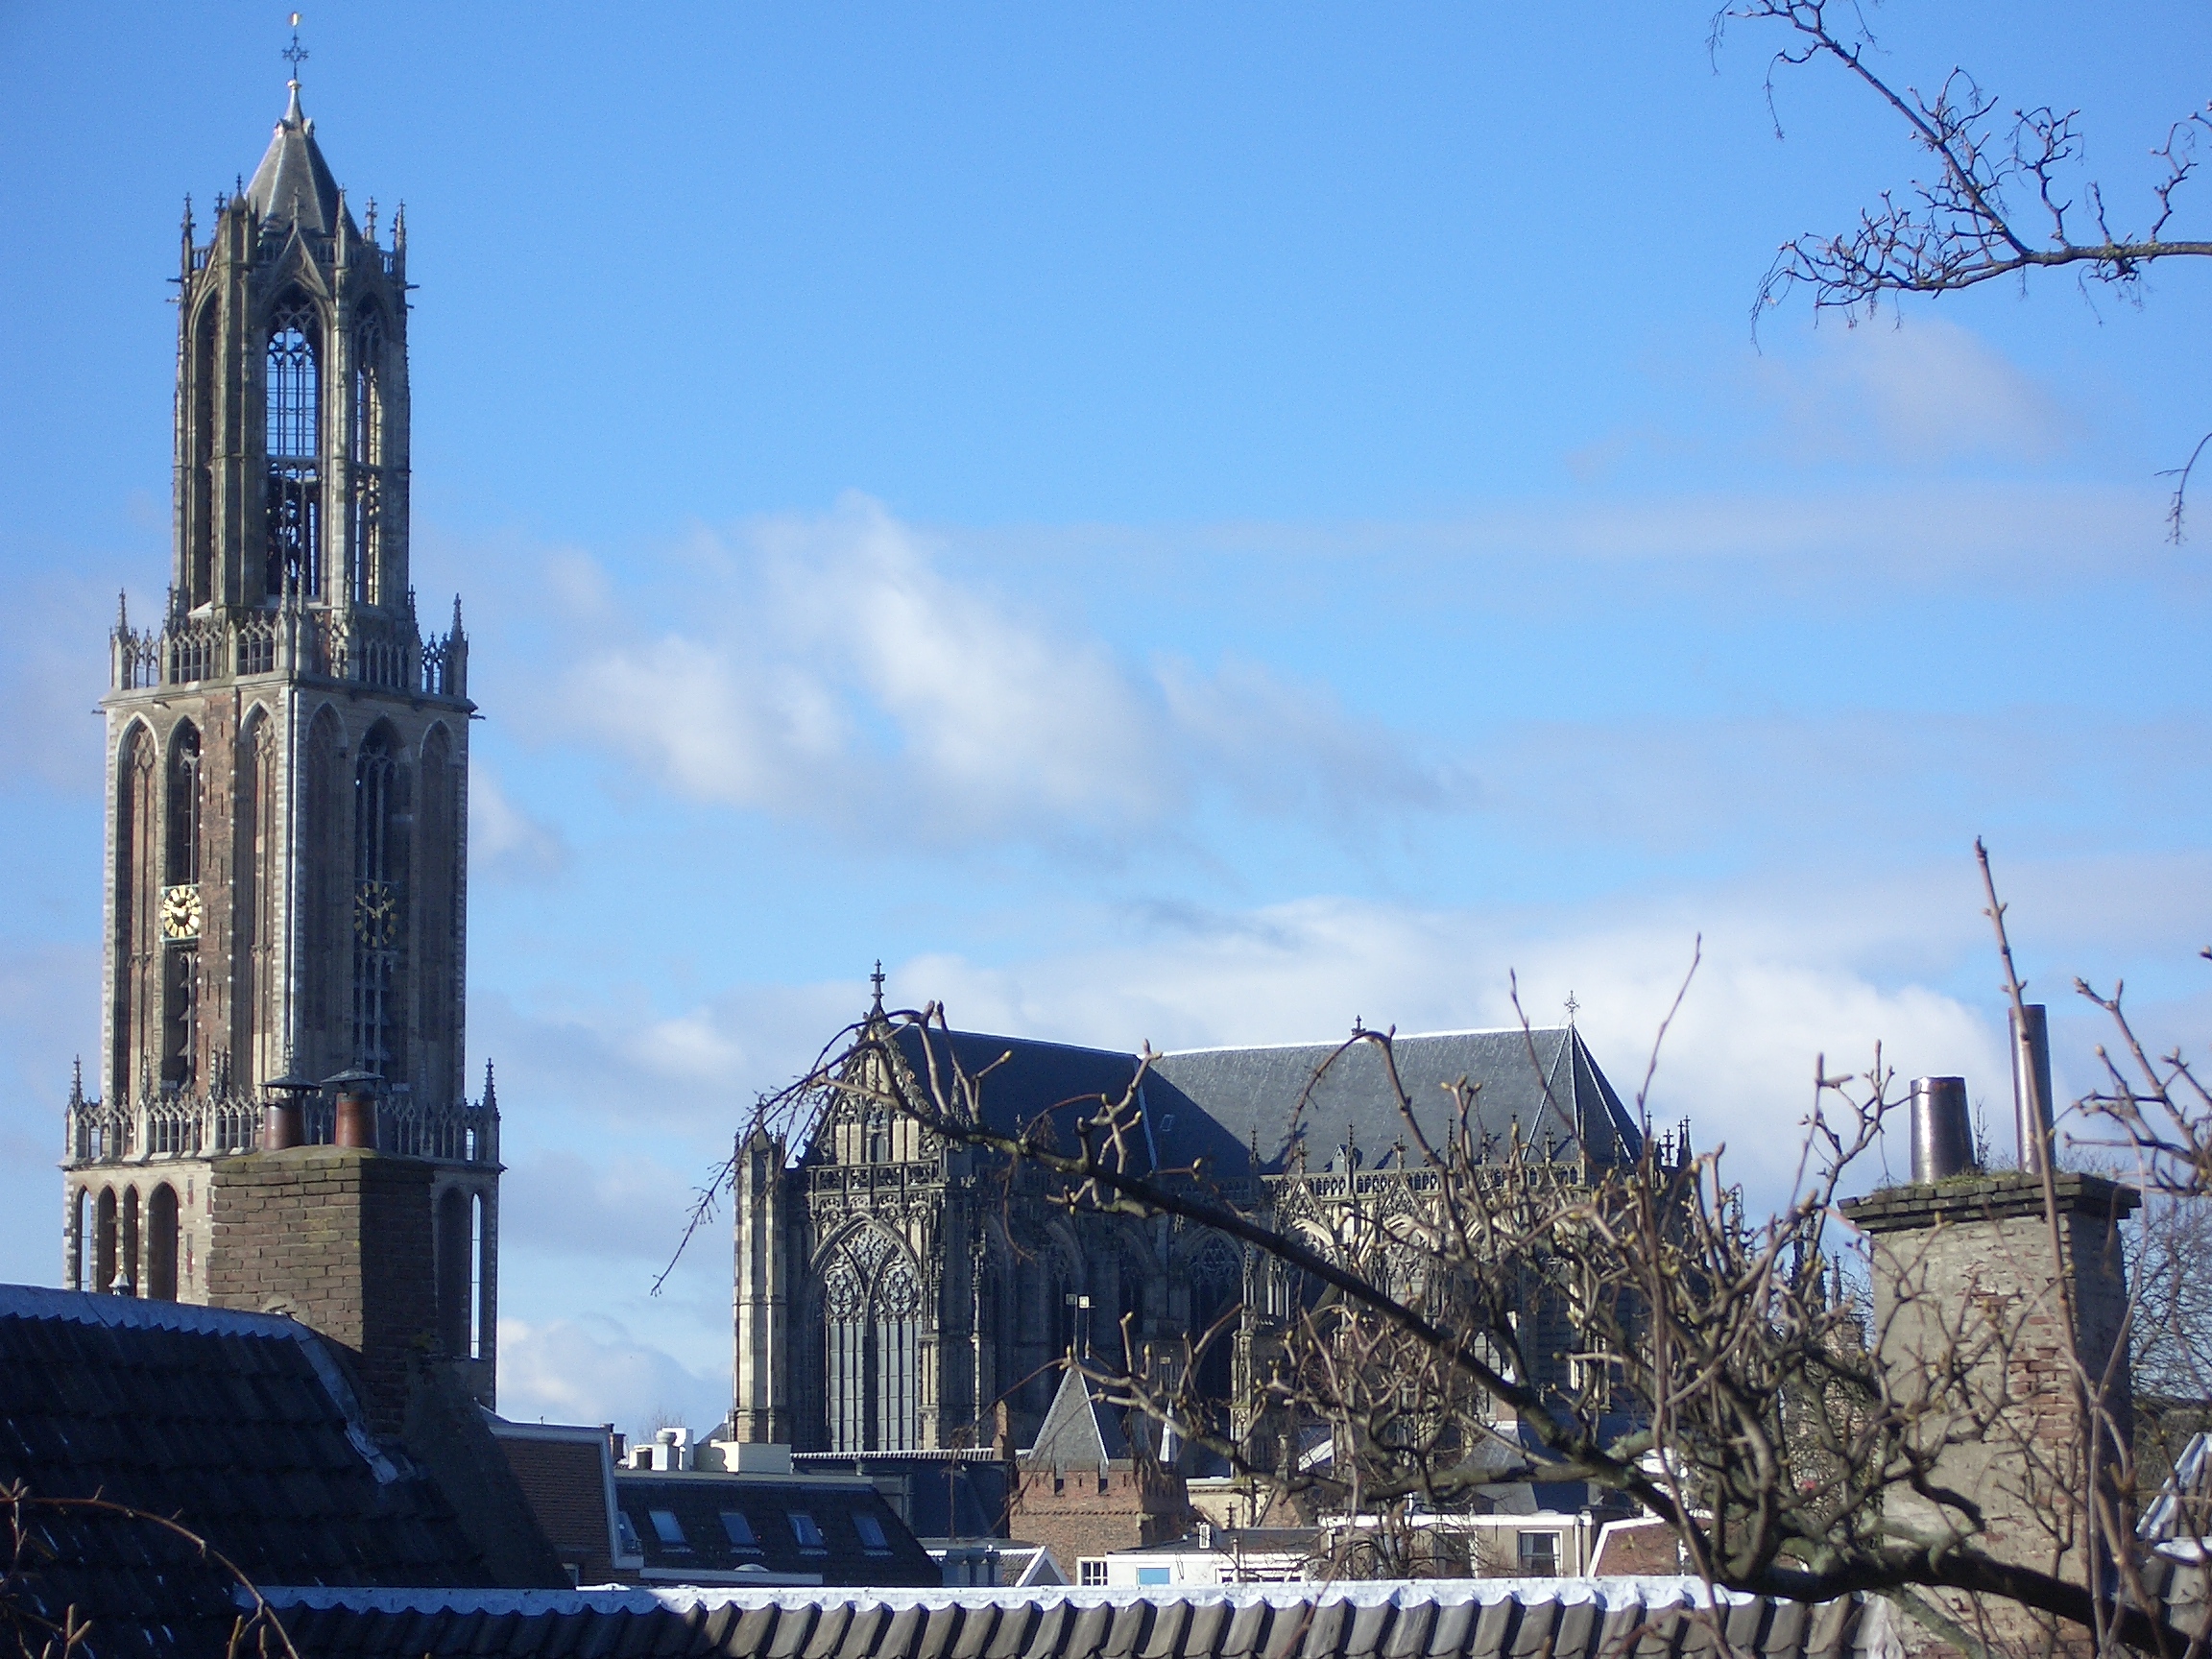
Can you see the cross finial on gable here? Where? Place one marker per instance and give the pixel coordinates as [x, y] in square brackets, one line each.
[1572, 1007]
[876, 979]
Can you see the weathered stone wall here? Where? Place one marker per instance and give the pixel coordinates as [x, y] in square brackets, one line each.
[340, 1238]
[1990, 1311]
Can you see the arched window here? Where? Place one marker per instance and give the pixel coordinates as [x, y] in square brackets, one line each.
[368, 455]
[295, 494]
[253, 854]
[104, 1242]
[872, 1315]
[181, 914]
[455, 1300]
[1216, 1291]
[479, 1292]
[128, 1243]
[181, 863]
[161, 1244]
[137, 915]
[200, 481]
[84, 1248]
[381, 821]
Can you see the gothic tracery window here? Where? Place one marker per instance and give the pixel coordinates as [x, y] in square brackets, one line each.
[381, 821]
[366, 521]
[295, 489]
[180, 912]
[872, 1317]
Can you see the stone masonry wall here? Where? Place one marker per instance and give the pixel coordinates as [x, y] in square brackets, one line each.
[340, 1238]
[1971, 1321]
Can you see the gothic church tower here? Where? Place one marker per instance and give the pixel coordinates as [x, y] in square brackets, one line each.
[287, 787]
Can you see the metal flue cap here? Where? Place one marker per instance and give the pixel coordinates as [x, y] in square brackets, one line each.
[290, 1085]
[354, 1082]
[1942, 1137]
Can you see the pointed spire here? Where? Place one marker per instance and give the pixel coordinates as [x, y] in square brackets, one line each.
[457, 633]
[876, 1008]
[491, 1092]
[293, 185]
[77, 1081]
[122, 612]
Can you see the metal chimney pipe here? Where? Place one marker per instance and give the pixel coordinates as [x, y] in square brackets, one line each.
[1942, 1137]
[2031, 1107]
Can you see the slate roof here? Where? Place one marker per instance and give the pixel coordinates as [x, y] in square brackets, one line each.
[1464, 1619]
[813, 1527]
[1543, 1082]
[293, 185]
[1219, 1104]
[1077, 1432]
[243, 1426]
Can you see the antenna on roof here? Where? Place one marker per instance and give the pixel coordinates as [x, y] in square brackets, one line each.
[295, 54]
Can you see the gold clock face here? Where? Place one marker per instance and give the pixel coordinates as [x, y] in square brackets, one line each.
[377, 914]
[180, 912]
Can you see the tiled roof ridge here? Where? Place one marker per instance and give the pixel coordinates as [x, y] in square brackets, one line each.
[954, 1031]
[192, 1318]
[1337, 1042]
[90, 1307]
[1655, 1591]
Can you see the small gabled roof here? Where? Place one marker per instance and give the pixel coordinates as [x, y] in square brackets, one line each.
[292, 184]
[1080, 1432]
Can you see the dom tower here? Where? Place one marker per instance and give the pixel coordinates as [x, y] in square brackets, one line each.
[287, 821]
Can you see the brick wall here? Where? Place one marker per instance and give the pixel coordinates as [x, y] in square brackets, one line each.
[340, 1238]
[1072, 1518]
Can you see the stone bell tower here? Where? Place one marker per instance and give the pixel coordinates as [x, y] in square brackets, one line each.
[287, 793]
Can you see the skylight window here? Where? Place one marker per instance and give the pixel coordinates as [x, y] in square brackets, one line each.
[804, 1529]
[740, 1528]
[669, 1528]
[871, 1532]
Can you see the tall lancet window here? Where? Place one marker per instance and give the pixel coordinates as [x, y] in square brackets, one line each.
[295, 448]
[872, 1318]
[381, 821]
[368, 452]
[180, 912]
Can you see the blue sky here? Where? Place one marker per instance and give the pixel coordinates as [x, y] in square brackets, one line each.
[1187, 524]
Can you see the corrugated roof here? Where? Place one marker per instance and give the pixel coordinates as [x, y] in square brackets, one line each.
[1465, 1618]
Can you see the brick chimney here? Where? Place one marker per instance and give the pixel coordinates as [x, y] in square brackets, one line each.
[340, 1238]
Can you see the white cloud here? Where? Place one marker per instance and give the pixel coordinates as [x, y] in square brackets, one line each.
[505, 842]
[1922, 392]
[590, 1369]
[828, 669]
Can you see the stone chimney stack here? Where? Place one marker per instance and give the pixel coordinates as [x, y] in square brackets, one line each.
[1981, 1278]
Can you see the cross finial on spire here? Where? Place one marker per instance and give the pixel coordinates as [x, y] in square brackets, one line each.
[295, 54]
[1572, 1007]
[876, 979]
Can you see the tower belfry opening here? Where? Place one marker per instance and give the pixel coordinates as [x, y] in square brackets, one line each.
[287, 834]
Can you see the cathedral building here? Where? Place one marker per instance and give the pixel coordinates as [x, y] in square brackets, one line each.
[897, 1295]
[281, 1101]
